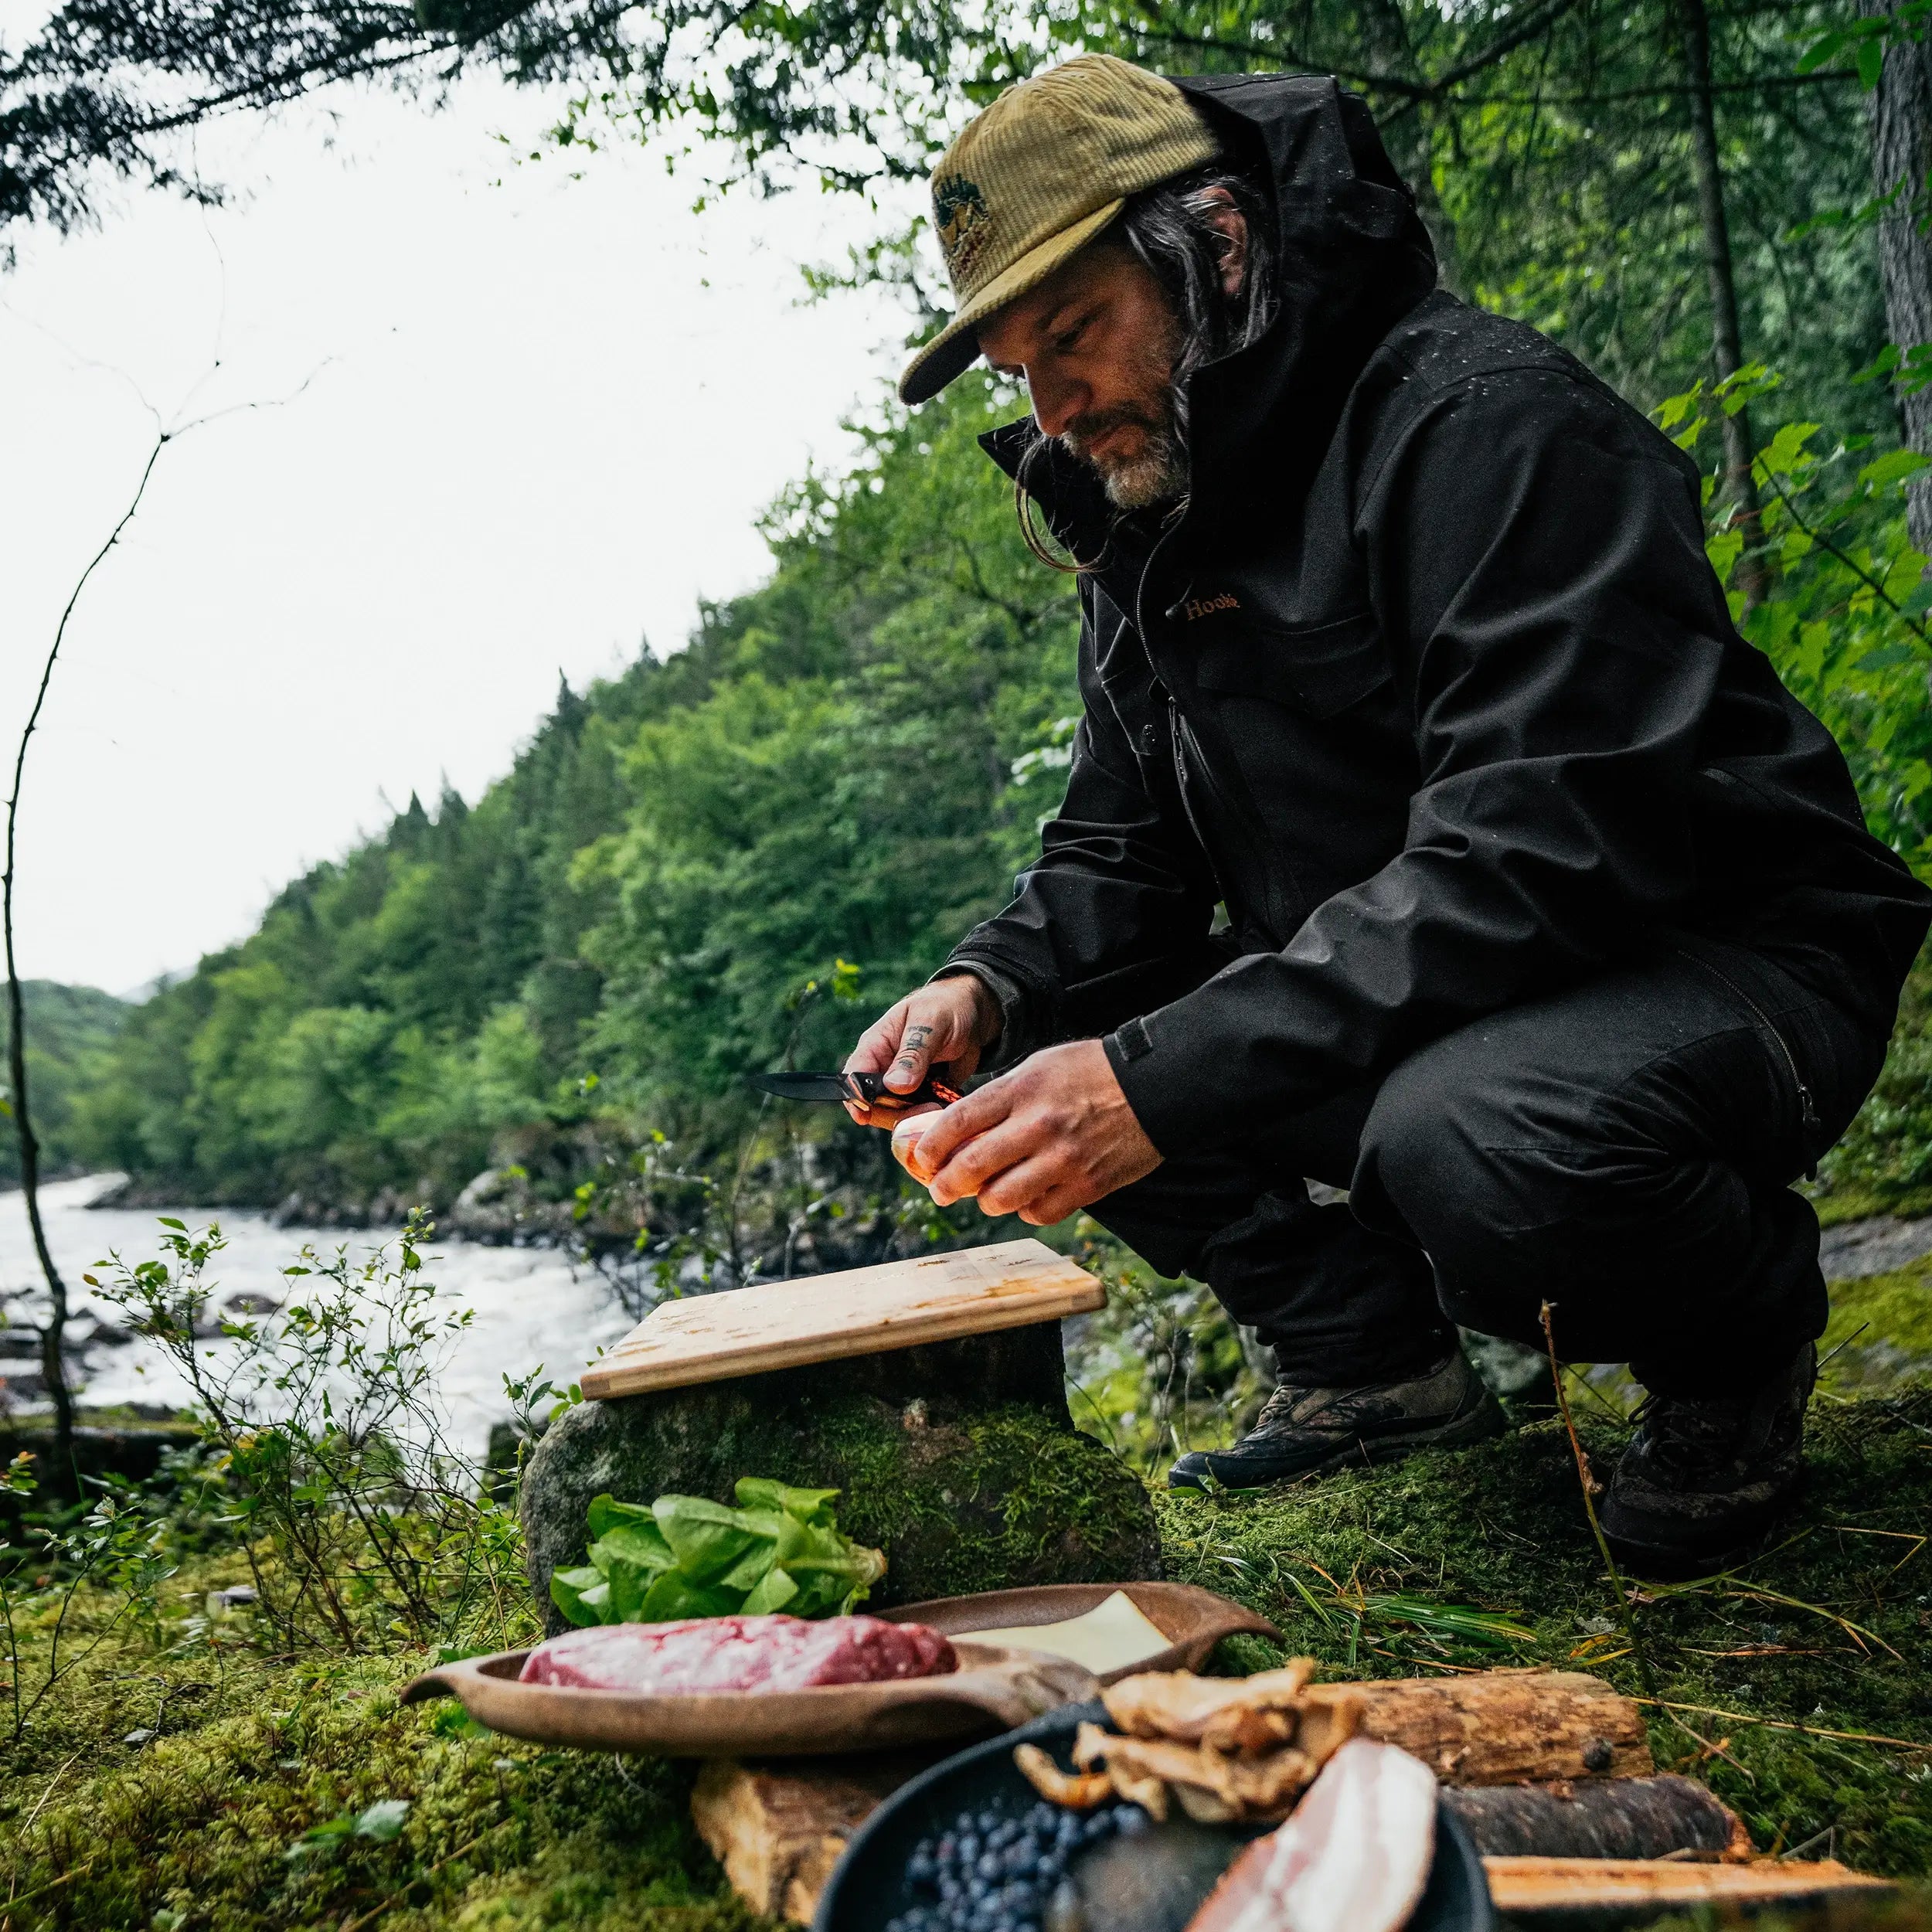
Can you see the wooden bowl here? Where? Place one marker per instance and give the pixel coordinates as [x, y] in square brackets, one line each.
[1192, 1620]
[992, 1690]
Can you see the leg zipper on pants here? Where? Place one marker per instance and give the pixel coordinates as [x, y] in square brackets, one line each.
[1808, 1112]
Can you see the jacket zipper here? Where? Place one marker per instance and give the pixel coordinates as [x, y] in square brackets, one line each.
[1181, 732]
[1180, 781]
[1808, 1112]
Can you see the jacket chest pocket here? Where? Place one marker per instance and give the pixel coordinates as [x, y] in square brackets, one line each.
[1321, 672]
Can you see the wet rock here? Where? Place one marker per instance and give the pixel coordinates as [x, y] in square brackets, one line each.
[133, 1450]
[249, 1301]
[958, 1459]
[1516, 1373]
[500, 1207]
[1854, 1249]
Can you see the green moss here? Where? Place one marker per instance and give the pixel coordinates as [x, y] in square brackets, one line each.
[250, 1755]
[999, 1495]
[1881, 1329]
[97, 1832]
[1502, 1527]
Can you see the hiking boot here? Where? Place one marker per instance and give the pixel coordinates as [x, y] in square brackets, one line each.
[1302, 1431]
[1703, 1478]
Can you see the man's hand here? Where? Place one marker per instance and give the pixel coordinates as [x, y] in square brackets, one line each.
[1051, 1137]
[949, 1023]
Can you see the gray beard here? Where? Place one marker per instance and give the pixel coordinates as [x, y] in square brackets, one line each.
[1159, 476]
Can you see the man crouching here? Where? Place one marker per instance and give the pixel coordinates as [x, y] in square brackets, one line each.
[1552, 928]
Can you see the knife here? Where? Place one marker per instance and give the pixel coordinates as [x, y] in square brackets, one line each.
[866, 1089]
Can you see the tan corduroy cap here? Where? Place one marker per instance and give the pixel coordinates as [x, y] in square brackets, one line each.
[1036, 176]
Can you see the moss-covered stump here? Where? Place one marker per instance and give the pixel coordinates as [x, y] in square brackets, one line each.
[959, 1460]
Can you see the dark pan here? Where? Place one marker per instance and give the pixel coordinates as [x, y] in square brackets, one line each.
[868, 1889]
[1194, 1620]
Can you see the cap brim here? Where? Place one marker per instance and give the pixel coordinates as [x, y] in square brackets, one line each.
[955, 349]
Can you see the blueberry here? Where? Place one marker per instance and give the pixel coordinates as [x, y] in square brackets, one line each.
[949, 1887]
[1133, 1822]
[920, 1868]
[989, 1867]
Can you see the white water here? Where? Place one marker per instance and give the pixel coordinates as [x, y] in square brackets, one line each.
[531, 1305]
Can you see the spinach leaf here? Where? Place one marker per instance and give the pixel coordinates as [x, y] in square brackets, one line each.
[684, 1556]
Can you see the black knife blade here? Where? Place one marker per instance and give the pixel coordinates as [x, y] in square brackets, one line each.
[866, 1089]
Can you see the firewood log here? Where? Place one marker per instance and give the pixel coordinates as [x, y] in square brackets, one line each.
[1621, 1818]
[1504, 1727]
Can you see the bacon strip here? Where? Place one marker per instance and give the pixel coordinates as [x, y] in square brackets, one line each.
[1354, 1857]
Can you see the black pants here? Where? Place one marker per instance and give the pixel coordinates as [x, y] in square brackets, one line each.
[1623, 1149]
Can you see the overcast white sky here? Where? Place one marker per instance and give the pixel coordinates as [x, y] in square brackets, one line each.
[541, 415]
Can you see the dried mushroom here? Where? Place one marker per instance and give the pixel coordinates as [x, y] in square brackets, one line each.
[1224, 1750]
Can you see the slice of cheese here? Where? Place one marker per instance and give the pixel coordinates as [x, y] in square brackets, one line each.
[1113, 1634]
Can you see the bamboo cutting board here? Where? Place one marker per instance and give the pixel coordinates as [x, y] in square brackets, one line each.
[823, 1318]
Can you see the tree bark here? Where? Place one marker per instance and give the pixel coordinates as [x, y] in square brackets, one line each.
[65, 1478]
[53, 1333]
[1503, 1727]
[1901, 123]
[1599, 1817]
[1727, 352]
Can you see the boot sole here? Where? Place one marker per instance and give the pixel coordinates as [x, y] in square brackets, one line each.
[1679, 1563]
[1483, 1423]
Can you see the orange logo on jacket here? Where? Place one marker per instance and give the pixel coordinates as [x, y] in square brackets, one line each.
[1206, 606]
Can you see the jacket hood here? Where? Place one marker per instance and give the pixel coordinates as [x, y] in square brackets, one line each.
[1352, 258]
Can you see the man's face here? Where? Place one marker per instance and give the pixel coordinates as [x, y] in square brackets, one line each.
[1096, 345]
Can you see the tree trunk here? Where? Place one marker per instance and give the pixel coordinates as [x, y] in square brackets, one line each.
[1901, 121]
[1726, 337]
[53, 1333]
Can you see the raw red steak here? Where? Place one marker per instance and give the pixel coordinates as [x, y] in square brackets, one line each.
[739, 1653]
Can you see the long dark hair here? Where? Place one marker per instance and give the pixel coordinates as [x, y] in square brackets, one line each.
[1170, 229]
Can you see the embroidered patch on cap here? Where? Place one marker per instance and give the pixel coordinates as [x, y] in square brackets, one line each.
[960, 214]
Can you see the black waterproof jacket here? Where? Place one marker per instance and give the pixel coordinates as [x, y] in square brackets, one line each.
[1431, 686]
